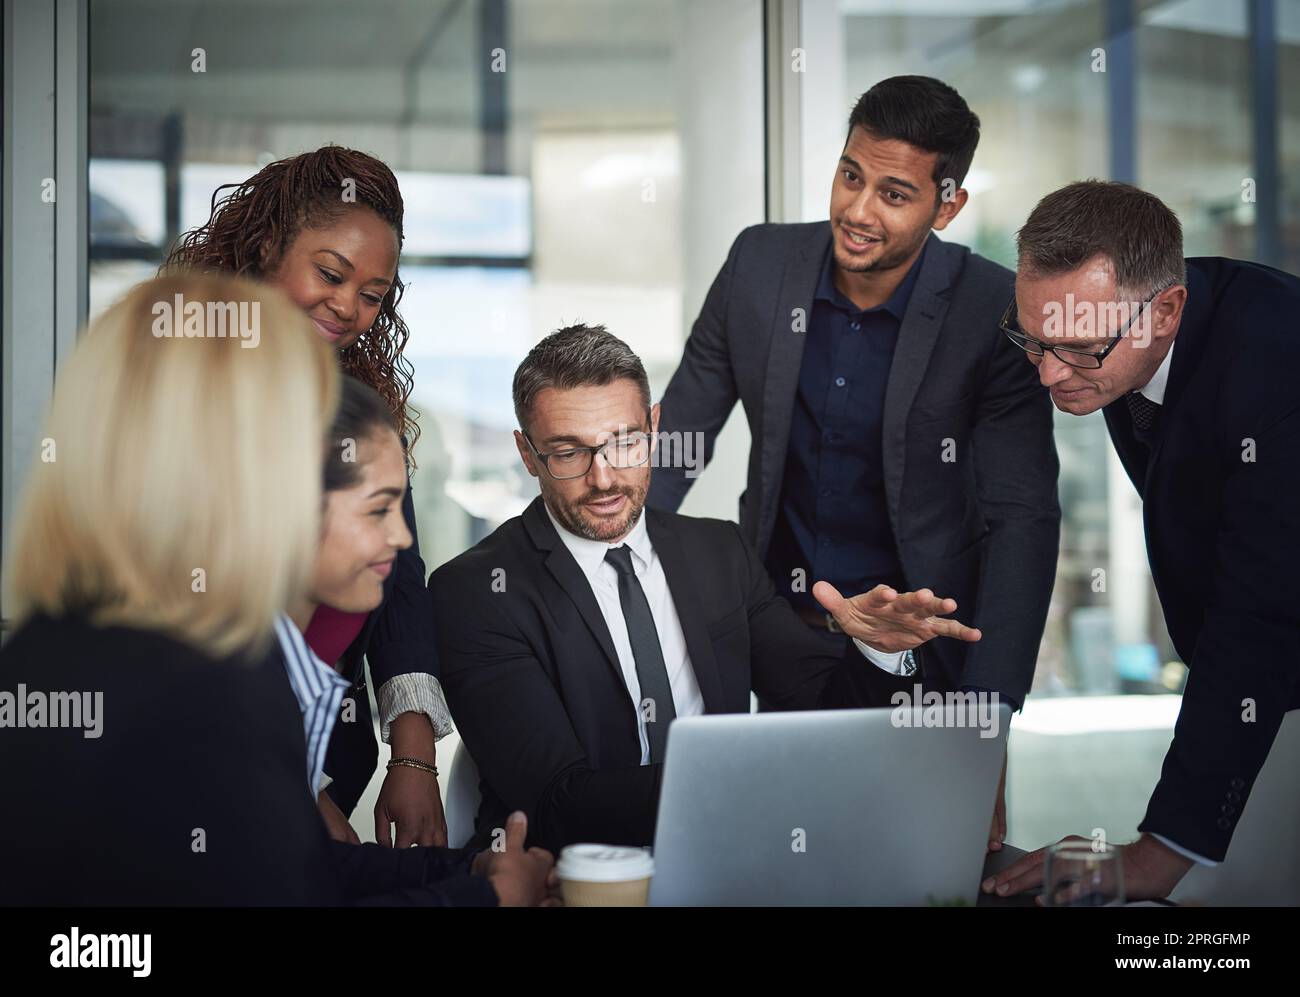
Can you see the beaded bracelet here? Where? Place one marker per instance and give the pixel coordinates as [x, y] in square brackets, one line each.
[415, 763]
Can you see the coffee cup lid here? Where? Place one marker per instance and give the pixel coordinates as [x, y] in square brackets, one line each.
[589, 863]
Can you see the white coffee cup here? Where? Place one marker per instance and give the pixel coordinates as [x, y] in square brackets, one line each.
[605, 875]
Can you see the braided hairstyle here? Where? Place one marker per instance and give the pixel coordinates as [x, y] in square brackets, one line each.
[253, 225]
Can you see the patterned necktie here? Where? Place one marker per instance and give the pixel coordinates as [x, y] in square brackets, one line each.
[651, 673]
[1143, 410]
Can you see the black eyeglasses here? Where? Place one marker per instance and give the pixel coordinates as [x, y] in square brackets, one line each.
[1075, 358]
[624, 450]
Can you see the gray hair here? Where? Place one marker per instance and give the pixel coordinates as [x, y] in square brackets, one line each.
[1133, 229]
[573, 357]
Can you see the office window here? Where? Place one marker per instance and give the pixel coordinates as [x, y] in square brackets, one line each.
[586, 180]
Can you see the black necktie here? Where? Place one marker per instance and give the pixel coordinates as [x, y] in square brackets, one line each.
[651, 672]
[1143, 410]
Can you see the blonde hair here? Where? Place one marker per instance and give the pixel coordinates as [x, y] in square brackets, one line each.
[184, 493]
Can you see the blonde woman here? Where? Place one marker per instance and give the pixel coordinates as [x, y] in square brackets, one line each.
[175, 514]
[153, 749]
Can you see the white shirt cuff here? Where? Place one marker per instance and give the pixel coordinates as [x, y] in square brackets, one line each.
[884, 660]
[1199, 859]
[413, 692]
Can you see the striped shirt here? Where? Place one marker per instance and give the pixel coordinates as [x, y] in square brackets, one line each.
[319, 690]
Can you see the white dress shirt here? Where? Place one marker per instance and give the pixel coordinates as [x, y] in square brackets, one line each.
[886, 661]
[1155, 388]
[603, 579]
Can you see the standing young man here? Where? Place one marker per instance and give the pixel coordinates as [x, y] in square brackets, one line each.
[897, 438]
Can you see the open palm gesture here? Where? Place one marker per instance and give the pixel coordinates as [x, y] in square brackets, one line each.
[890, 621]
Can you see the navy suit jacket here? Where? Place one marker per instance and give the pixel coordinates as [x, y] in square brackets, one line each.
[982, 527]
[1220, 486]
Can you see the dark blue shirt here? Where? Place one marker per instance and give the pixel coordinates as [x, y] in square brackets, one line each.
[832, 520]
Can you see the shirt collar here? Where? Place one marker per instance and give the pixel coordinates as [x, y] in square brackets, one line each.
[1155, 388]
[896, 305]
[309, 677]
[1191, 332]
[590, 554]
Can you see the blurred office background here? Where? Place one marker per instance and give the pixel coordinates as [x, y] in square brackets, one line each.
[603, 175]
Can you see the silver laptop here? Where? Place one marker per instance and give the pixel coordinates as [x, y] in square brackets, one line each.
[835, 807]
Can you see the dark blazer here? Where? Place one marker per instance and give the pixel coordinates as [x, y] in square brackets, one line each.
[983, 528]
[188, 743]
[1223, 538]
[534, 682]
[397, 639]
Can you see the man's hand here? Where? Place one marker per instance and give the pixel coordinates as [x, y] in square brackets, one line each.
[409, 796]
[1151, 870]
[522, 878]
[890, 622]
[998, 829]
[335, 823]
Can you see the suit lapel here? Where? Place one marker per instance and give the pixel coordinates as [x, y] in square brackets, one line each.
[564, 569]
[784, 357]
[1140, 460]
[916, 338]
[686, 600]
[1189, 346]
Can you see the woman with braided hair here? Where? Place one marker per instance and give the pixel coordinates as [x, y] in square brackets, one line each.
[326, 228]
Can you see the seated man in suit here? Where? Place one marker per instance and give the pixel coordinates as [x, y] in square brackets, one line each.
[573, 635]
[1196, 378]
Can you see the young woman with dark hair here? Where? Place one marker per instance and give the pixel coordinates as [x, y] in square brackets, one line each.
[362, 533]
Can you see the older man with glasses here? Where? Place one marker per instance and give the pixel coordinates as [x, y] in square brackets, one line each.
[1197, 384]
